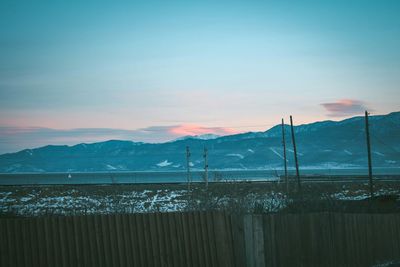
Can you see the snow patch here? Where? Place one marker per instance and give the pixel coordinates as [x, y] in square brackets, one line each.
[298, 153]
[347, 152]
[164, 163]
[109, 167]
[276, 153]
[379, 153]
[235, 155]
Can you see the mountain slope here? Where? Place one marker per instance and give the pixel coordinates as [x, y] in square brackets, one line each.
[322, 144]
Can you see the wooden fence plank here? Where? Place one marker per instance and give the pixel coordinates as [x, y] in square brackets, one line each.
[183, 261]
[258, 239]
[205, 238]
[142, 243]
[62, 231]
[92, 240]
[224, 254]
[55, 242]
[193, 239]
[127, 240]
[135, 241]
[174, 239]
[212, 239]
[106, 240]
[120, 239]
[186, 237]
[4, 251]
[49, 242]
[238, 240]
[113, 240]
[78, 241]
[248, 237]
[199, 242]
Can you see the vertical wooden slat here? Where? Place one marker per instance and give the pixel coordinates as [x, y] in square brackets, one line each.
[212, 239]
[142, 243]
[91, 236]
[238, 240]
[113, 240]
[199, 239]
[147, 239]
[48, 242]
[85, 240]
[174, 239]
[26, 241]
[127, 240]
[152, 224]
[55, 241]
[106, 240]
[99, 241]
[120, 239]
[161, 239]
[258, 238]
[11, 246]
[71, 240]
[204, 237]
[186, 237]
[248, 237]
[33, 235]
[136, 253]
[41, 241]
[225, 253]
[62, 229]
[4, 251]
[19, 242]
[193, 240]
[78, 241]
[183, 261]
[168, 240]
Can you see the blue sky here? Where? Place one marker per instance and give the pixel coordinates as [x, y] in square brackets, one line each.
[218, 66]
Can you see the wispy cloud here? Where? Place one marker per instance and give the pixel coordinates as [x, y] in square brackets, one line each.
[17, 138]
[345, 107]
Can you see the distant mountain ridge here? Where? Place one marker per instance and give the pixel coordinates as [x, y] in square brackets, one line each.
[326, 144]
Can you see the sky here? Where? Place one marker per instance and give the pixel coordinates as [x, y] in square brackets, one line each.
[152, 71]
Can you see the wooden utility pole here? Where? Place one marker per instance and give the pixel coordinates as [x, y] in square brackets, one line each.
[189, 177]
[371, 186]
[206, 166]
[284, 155]
[295, 154]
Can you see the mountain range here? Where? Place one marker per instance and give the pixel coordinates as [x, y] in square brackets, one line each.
[325, 144]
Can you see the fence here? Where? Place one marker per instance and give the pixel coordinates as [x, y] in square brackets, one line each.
[201, 239]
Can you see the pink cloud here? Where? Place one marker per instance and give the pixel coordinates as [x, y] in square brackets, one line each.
[192, 129]
[17, 138]
[345, 107]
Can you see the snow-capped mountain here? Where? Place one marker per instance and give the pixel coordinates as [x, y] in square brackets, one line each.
[200, 137]
[326, 144]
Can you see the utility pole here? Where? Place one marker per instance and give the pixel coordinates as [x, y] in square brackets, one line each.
[206, 166]
[371, 186]
[284, 155]
[189, 177]
[295, 153]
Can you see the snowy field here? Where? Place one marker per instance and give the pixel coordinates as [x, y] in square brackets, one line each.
[244, 197]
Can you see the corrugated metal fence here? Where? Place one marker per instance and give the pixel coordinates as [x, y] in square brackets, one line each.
[201, 239]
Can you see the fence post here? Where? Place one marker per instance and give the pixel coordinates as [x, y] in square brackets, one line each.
[295, 154]
[284, 156]
[371, 186]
